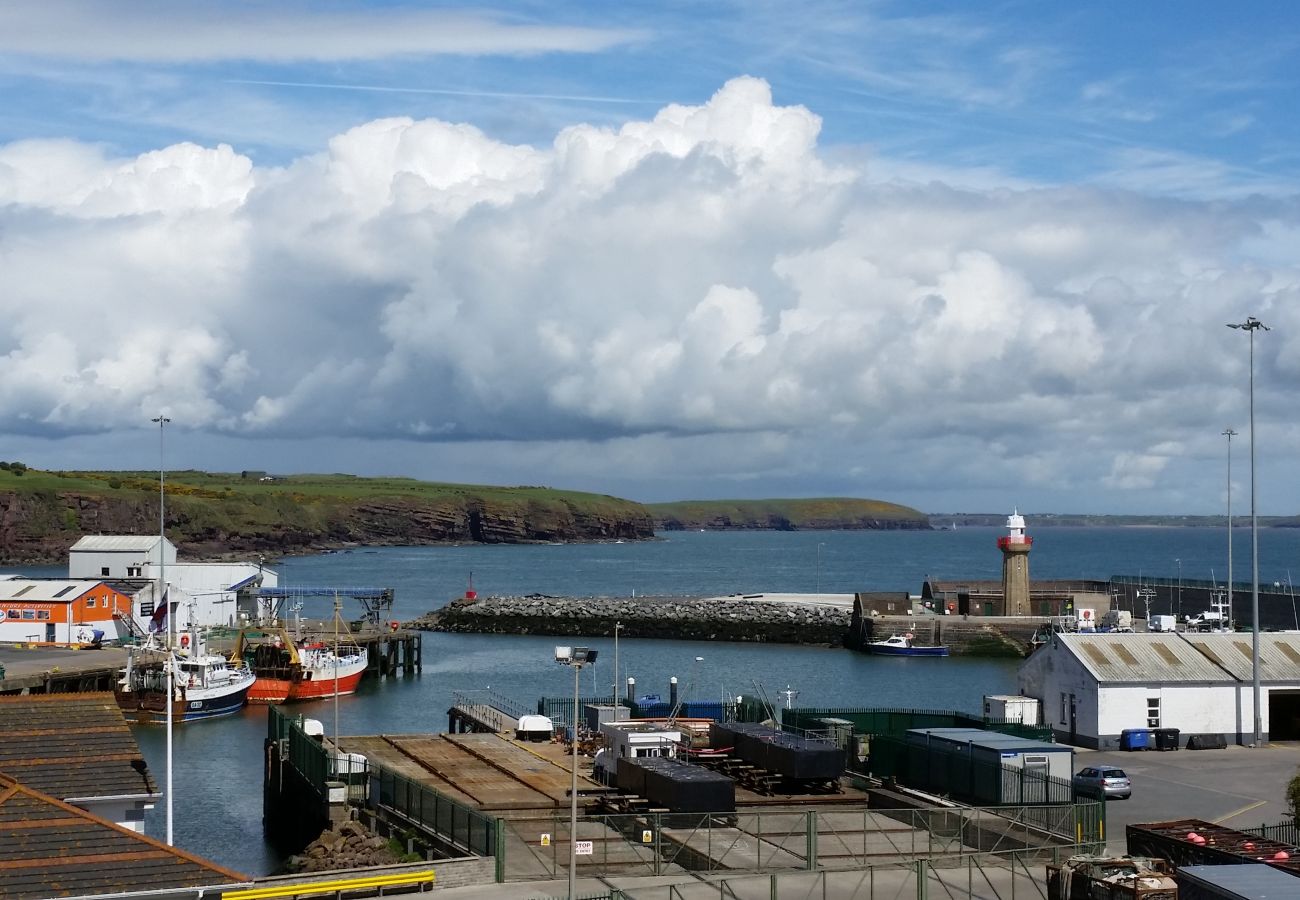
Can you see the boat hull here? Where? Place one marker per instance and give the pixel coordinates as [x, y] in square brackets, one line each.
[321, 685]
[307, 684]
[269, 690]
[883, 650]
[150, 707]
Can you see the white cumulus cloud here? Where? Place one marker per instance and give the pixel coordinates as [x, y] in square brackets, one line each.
[700, 278]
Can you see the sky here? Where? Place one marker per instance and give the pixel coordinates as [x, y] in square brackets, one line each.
[964, 257]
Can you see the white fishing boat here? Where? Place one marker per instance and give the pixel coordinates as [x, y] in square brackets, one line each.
[206, 685]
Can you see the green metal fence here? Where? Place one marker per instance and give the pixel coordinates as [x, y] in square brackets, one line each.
[423, 806]
[560, 709]
[305, 753]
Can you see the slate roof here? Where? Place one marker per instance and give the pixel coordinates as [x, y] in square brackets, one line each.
[71, 745]
[1142, 658]
[49, 848]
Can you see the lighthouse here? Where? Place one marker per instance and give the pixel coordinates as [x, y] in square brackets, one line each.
[1015, 548]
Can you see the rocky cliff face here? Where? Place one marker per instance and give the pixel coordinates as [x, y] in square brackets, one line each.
[39, 527]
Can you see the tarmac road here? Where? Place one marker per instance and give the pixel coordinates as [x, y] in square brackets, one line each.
[1238, 787]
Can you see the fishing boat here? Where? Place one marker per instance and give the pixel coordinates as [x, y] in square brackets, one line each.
[206, 685]
[289, 670]
[901, 645]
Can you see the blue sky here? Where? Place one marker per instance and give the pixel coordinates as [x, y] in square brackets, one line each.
[959, 256]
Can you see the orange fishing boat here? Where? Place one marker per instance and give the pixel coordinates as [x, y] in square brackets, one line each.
[287, 670]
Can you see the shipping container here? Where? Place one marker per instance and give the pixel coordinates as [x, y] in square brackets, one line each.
[677, 786]
[1011, 708]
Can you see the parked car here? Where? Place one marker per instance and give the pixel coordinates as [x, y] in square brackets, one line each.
[1103, 782]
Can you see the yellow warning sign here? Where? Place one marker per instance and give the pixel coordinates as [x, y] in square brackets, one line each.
[647, 836]
[546, 839]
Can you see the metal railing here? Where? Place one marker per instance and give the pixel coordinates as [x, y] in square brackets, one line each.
[1011, 875]
[1283, 832]
[832, 839]
[455, 822]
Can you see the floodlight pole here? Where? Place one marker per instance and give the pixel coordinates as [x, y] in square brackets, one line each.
[1251, 325]
[575, 658]
[1229, 434]
[162, 598]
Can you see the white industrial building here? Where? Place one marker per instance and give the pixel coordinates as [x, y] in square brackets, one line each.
[219, 593]
[1092, 687]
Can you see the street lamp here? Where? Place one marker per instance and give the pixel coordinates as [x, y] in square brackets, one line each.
[618, 626]
[1180, 586]
[1250, 326]
[819, 566]
[162, 421]
[1229, 434]
[575, 658]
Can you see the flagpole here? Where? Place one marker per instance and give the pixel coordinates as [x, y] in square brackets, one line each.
[162, 591]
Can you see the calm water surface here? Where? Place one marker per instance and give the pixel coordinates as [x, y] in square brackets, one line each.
[218, 768]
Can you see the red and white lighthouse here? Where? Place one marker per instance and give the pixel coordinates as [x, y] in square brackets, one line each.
[1015, 547]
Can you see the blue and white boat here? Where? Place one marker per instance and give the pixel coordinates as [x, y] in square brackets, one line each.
[206, 686]
[901, 645]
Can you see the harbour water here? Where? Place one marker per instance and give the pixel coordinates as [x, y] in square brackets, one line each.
[218, 768]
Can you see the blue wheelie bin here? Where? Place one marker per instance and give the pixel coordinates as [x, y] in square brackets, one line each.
[1136, 739]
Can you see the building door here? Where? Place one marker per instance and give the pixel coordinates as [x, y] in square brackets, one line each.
[49, 633]
[988, 607]
[1283, 715]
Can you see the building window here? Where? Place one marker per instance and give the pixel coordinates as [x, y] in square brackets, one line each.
[29, 614]
[103, 570]
[1153, 712]
[90, 603]
[15, 614]
[133, 571]
[42, 614]
[1063, 708]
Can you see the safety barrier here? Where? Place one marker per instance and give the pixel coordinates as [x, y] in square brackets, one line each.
[337, 887]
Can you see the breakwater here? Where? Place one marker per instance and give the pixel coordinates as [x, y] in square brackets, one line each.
[725, 619]
[682, 618]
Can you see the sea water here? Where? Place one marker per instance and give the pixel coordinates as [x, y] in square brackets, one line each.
[217, 772]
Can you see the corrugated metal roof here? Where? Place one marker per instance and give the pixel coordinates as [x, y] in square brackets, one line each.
[1279, 654]
[116, 542]
[1142, 658]
[71, 745]
[49, 848]
[39, 590]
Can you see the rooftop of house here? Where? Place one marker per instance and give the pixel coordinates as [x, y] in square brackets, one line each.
[71, 746]
[49, 848]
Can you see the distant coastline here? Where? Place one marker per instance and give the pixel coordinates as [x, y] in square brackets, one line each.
[945, 521]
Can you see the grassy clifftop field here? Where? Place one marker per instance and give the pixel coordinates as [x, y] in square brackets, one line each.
[43, 513]
[789, 515]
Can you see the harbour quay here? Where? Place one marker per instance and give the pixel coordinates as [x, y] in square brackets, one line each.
[51, 669]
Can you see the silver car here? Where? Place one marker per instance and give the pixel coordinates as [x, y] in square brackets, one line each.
[1103, 782]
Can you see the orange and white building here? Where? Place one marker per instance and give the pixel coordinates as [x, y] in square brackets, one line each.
[61, 611]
